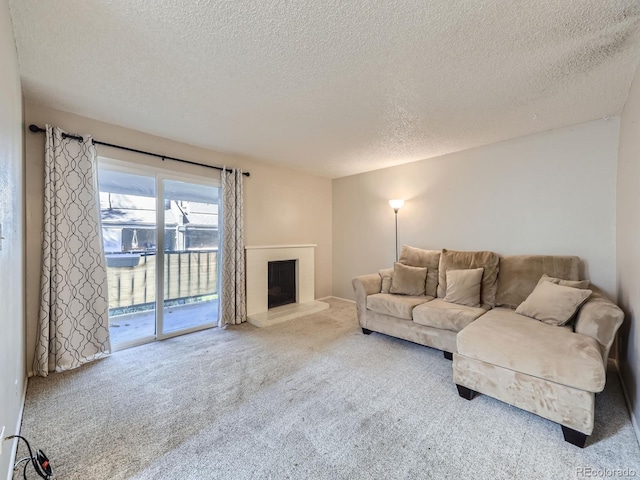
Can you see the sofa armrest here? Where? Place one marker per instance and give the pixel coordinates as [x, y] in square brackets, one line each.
[364, 286]
[599, 318]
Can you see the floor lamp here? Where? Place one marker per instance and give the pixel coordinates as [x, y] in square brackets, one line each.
[396, 205]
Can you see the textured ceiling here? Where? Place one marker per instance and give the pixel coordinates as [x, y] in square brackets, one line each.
[333, 87]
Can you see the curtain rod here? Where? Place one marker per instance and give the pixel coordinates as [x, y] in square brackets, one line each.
[37, 129]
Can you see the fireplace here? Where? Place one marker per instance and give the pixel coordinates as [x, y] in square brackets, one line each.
[300, 260]
[281, 285]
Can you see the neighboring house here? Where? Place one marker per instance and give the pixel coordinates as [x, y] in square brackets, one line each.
[129, 225]
[129, 222]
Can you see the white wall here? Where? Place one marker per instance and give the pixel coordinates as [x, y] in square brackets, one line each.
[12, 360]
[282, 206]
[548, 193]
[628, 250]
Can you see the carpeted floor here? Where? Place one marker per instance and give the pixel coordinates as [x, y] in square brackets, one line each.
[310, 398]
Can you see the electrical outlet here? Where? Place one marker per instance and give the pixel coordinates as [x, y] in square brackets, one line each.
[1, 439]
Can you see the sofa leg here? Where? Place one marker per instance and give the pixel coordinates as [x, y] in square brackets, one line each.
[448, 355]
[574, 437]
[465, 392]
[366, 331]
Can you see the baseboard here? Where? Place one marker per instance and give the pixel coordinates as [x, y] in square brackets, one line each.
[634, 422]
[14, 449]
[337, 298]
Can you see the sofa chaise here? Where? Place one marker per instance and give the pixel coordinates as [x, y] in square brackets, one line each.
[522, 328]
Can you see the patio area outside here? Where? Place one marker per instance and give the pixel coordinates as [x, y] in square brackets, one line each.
[130, 327]
[190, 293]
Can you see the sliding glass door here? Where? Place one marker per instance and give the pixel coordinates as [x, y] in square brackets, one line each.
[190, 255]
[156, 295]
[129, 233]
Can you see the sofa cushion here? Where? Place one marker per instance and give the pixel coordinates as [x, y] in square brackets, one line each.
[553, 304]
[463, 286]
[519, 275]
[451, 260]
[599, 318]
[502, 337]
[386, 274]
[399, 306]
[417, 257]
[408, 280]
[447, 316]
[565, 283]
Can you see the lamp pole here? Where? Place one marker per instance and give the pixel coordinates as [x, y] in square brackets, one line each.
[396, 205]
[396, 212]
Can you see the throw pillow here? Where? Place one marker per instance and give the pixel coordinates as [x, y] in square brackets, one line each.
[452, 260]
[519, 275]
[386, 275]
[553, 304]
[408, 280]
[417, 257]
[565, 283]
[463, 286]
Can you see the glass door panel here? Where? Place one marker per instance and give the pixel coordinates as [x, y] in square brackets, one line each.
[129, 232]
[190, 247]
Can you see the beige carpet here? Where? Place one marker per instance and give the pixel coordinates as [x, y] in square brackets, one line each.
[309, 398]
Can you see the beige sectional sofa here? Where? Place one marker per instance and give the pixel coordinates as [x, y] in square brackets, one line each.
[551, 370]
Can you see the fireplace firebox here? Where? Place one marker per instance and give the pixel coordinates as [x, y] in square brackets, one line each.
[282, 283]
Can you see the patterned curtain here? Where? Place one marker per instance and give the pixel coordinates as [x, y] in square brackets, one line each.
[233, 299]
[73, 326]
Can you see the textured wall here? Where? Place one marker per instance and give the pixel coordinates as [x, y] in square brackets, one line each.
[628, 249]
[548, 193]
[282, 206]
[12, 359]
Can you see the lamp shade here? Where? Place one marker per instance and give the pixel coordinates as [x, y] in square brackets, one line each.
[396, 204]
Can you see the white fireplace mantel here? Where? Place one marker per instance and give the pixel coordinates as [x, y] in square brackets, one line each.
[257, 261]
[263, 247]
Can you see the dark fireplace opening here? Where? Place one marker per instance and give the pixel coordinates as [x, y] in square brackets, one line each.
[282, 283]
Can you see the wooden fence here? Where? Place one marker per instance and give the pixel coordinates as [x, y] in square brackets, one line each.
[186, 274]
